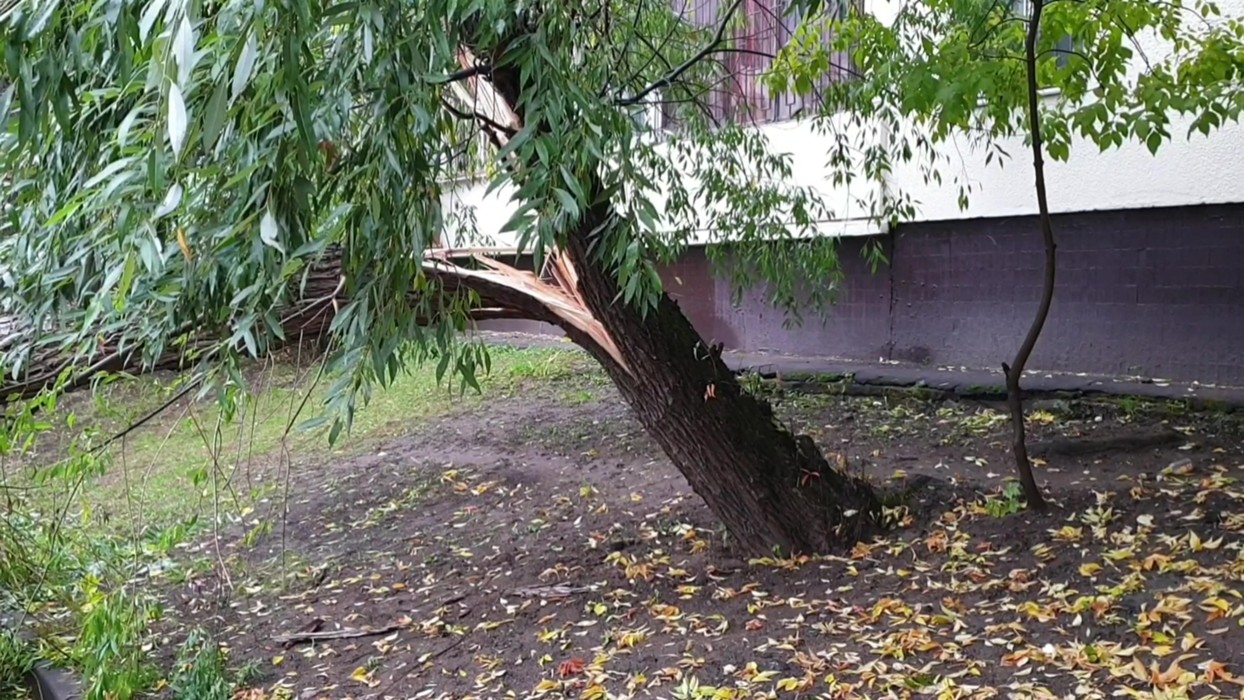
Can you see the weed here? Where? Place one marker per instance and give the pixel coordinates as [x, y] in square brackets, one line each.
[17, 658]
[67, 577]
[753, 383]
[1130, 406]
[253, 536]
[578, 397]
[546, 366]
[983, 422]
[110, 647]
[1009, 502]
[691, 689]
[248, 674]
[201, 672]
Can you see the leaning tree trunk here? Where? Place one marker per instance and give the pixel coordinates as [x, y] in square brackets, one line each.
[769, 487]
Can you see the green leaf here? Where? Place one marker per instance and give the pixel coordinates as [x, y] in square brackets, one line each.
[65, 212]
[172, 199]
[1153, 142]
[568, 203]
[148, 20]
[40, 22]
[6, 102]
[245, 65]
[127, 124]
[214, 115]
[269, 231]
[177, 119]
[183, 50]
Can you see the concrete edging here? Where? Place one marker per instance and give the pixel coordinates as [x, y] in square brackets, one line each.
[854, 377]
[962, 383]
[47, 682]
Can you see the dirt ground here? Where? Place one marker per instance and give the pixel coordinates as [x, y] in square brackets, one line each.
[545, 548]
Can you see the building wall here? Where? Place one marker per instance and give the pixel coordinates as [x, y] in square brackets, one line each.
[1151, 257]
[1185, 171]
[1141, 292]
[1188, 170]
[1149, 292]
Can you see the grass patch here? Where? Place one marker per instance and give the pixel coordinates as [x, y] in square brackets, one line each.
[84, 533]
[188, 461]
[17, 657]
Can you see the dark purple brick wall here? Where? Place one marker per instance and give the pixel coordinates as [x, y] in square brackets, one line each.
[857, 325]
[1153, 292]
[1157, 292]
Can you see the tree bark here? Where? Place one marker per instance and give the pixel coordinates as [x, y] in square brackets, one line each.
[1014, 394]
[772, 489]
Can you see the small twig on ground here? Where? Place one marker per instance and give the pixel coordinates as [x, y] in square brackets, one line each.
[444, 650]
[346, 633]
[559, 590]
[450, 601]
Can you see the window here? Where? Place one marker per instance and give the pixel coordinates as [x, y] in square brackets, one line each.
[1064, 47]
[740, 96]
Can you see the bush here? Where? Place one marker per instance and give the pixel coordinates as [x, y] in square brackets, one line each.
[17, 658]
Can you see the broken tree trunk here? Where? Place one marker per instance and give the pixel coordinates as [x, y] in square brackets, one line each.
[773, 490]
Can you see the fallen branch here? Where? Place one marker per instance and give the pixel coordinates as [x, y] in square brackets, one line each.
[443, 650]
[504, 292]
[345, 633]
[559, 590]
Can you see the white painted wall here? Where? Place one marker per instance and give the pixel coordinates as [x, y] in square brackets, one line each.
[1200, 170]
[1186, 171]
[807, 147]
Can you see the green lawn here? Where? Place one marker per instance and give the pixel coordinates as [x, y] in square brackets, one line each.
[189, 462]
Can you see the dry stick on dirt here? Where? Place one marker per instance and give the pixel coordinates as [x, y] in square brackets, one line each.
[1014, 398]
[346, 633]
